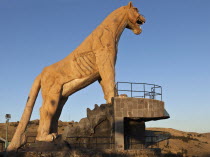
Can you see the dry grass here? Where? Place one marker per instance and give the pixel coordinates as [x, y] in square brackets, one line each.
[185, 143]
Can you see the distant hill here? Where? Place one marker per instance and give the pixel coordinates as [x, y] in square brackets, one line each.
[186, 143]
[180, 143]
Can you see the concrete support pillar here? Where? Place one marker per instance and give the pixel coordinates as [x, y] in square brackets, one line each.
[119, 133]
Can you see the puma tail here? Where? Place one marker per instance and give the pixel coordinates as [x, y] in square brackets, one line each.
[19, 137]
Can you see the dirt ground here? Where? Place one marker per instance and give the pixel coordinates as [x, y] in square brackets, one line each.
[181, 143]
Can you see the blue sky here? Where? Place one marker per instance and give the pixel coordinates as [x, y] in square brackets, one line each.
[173, 51]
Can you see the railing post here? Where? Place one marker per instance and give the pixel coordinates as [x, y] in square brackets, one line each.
[89, 142]
[110, 143]
[116, 92]
[131, 143]
[154, 93]
[131, 90]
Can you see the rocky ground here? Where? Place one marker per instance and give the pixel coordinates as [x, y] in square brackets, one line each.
[180, 144]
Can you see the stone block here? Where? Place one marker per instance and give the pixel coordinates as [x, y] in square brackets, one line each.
[149, 106]
[117, 107]
[152, 114]
[134, 106]
[118, 114]
[135, 113]
[146, 105]
[156, 114]
[155, 103]
[117, 100]
[119, 127]
[145, 113]
[129, 104]
[140, 106]
[129, 109]
[135, 100]
[125, 112]
[155, 106]
[119, 142]
[130, 114]
[162, 108]
[119, 119]
[122, 105]
[140, 113]
[149, 114]
[140, 101]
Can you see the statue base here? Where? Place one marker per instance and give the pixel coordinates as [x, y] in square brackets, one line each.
[40, 146]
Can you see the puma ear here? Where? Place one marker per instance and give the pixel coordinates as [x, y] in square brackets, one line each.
[88, 111]
[130, 5]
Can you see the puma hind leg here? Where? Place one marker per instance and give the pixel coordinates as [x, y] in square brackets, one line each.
[51, 98]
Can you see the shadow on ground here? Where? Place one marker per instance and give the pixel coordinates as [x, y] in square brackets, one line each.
[86, 153]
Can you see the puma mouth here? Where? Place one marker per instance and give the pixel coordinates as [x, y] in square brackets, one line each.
[139, 22]
[135, 26]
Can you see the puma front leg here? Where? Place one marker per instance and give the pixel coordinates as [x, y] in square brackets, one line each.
[105, 63]
[108, 89]
[54, 123]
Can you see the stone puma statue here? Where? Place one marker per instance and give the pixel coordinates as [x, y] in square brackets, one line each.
[94, 59]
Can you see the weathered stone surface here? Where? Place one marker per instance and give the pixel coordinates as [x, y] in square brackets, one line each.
[139, 107]
[93, 60]
[98, 122]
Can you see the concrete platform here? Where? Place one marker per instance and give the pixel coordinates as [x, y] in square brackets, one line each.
[140, 109]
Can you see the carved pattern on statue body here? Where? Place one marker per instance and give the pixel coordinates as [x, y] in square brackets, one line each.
[85, 63]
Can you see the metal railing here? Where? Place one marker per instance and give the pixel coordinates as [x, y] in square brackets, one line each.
[141, 143]
[2, 146]
[143, 90]
[99, 142]
[107, 142]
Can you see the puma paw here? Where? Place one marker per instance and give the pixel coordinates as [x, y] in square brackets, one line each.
[47, 138]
